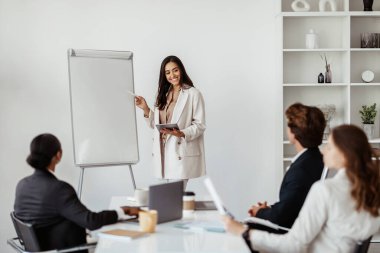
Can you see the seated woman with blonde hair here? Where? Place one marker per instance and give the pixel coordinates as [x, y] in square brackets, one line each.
[338, 212]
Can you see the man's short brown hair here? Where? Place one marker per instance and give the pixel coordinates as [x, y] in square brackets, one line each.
[307, 123]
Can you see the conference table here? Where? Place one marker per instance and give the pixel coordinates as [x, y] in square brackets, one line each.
[168, 237]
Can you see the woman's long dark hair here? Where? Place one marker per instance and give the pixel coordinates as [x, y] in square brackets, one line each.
[362, 170]
[42, 149]
[164, 85]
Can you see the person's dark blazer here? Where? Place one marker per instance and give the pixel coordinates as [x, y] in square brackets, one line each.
[295, 186]
[52, 206]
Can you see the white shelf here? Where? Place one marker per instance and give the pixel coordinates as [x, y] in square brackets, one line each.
[339, 36]
[316, 50]
[365, 84]
[316, 14]
[314, 84]
[365, 49]
[364, 13]
[376, 140]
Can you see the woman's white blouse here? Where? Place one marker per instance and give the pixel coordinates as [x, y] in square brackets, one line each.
[328, 222]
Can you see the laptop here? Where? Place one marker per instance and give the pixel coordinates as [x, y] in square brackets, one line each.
[167, 200]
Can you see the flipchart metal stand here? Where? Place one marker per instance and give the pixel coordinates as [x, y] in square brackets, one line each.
[81, 176]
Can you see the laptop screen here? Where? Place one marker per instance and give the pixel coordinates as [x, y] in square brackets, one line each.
[167, 200]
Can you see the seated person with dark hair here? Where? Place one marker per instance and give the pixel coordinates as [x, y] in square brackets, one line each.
[52, 206]
[305, 132]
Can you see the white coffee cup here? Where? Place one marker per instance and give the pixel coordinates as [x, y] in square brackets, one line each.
[141, 196]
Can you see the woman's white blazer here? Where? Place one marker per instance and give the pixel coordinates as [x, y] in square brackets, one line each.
[184, 157]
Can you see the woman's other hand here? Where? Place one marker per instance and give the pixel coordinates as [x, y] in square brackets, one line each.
[233, 226]
[174, 132]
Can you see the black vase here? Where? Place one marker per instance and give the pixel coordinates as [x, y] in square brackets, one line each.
[321, 78]
[368, 5]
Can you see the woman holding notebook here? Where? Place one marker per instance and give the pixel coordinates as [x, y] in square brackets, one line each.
[338, 212]
[177, 153]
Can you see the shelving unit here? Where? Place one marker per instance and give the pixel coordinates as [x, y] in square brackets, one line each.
[339, 39]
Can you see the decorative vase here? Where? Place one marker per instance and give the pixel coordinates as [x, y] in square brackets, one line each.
[367, 40]
[300, 5]
[311, 40]
[328, 74]
[323, 3]
[369, 130]
[328, 111]
[368, 5]
[321, 78]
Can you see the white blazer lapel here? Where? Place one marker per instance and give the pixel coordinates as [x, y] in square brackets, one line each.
[180, 105]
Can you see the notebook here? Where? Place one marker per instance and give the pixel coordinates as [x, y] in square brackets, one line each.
[122, 234]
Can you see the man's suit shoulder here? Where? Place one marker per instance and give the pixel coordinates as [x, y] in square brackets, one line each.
[309, 163]
[312, 153]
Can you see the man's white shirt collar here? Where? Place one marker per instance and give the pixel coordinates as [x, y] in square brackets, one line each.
[298, 155]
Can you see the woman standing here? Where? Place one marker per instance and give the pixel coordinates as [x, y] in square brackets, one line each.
[177, 154]
[338, 212]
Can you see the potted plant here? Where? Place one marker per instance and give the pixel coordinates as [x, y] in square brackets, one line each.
[368, 115]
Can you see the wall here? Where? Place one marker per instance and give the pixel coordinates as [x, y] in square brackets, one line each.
[227, 47]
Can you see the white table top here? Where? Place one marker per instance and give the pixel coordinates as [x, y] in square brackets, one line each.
[169, 238]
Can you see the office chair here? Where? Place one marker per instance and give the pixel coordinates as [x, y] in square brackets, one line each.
[363, 246]
[26, 240]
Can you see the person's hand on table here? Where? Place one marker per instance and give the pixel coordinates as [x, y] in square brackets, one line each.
[131, 211]
[232, 226]
[254, 209]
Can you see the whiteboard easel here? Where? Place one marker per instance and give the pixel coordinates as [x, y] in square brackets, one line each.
[103, 113]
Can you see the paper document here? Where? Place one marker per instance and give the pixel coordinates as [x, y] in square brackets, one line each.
[266, 223]
[211, 226]
[215, 196]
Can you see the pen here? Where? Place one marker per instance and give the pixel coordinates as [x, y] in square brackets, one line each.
[132, 94]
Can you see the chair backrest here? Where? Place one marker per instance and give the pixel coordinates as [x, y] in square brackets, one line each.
[363, 247]
[26, 234]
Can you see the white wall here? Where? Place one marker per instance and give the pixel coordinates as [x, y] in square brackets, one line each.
[227, 47]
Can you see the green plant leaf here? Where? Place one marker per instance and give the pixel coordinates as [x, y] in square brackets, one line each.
[368, 114]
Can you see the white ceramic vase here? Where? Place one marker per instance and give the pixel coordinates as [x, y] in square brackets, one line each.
[323, 4]
[311, 40]
[300, 5]
[369, 130]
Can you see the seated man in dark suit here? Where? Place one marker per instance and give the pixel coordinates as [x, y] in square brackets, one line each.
[305, 132]
[52, 206]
